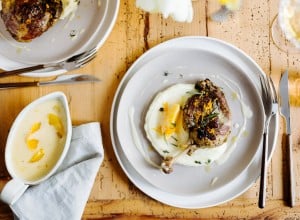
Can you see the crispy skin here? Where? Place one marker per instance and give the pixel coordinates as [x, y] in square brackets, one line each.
[28, 19]
[206, 115]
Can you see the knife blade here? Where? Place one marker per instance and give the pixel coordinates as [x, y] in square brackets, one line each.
[285, 112]
[62, 79]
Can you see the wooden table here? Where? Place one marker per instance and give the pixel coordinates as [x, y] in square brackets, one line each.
[135, 32]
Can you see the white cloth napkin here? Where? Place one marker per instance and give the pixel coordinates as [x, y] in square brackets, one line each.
[64, 195]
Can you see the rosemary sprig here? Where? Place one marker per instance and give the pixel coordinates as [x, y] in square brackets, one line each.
[175, 145]
[201, 93]
[174, 138]
[207, 118]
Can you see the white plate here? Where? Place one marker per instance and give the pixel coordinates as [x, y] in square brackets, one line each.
[92, 25]
[188, 59]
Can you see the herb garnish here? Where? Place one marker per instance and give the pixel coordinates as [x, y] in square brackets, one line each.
[208, 161]
[174, 138]
[175, 145]
[207, 118]
[201, 93]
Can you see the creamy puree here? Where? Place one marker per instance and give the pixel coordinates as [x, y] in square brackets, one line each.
[39, 140]
[69, 7]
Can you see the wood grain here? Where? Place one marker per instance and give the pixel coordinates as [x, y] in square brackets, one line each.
[135, 32]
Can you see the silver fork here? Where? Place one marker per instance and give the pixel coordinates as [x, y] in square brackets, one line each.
[270, 102]
[71, 63]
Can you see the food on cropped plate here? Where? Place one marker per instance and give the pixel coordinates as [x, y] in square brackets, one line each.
[189, 124]
[27, 19]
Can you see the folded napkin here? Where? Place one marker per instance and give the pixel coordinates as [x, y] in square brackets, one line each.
[64, 195]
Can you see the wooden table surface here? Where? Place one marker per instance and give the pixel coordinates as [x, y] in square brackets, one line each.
[135, 32]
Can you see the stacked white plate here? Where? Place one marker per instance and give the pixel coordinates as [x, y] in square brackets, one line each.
[185, 60]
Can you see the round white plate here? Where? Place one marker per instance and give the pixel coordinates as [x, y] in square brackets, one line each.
[186, 60]
[92, 23]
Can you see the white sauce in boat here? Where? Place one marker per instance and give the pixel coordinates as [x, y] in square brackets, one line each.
[50, 142]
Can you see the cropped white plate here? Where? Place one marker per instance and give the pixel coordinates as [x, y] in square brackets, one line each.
[92, 24]
[188, 59]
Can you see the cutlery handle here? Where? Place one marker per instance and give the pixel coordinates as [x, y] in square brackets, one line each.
[18, 85]
[292, 194]
[263, 177]
[20, 71]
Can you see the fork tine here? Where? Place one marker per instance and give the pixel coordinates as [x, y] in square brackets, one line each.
[273, 90]
[263, 84]
[76, 57]
[86, 56]
[91, 52]
[86, 60]
[267, 82]
[82, 55]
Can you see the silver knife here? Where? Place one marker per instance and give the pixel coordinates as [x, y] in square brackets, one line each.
[285, 112]
[62, 79]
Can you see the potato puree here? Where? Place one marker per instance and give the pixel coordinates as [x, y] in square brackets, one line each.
[39, 140]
